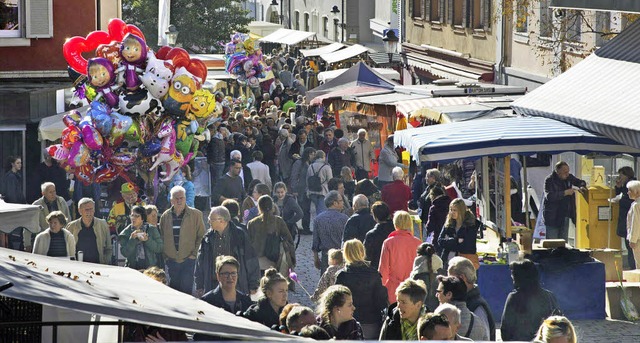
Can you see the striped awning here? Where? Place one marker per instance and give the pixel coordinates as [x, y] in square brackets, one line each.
[501, 137]
[600, 94]
[322, 50]
[288, 37]
[408, 106]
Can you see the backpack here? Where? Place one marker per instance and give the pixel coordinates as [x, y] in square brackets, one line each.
[314, 183]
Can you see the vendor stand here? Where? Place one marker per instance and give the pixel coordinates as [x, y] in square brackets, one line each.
[497, 139]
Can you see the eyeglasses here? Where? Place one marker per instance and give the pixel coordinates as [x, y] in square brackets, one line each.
[229, 274]
[211, 220]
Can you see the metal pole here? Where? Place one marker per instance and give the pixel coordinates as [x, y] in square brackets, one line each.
[342, 24]
[613, 167]
[525, 187]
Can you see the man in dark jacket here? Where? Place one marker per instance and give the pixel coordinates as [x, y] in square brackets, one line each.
[373, 239]
[401, 323]
[226, 239]
[465, 271]
[216, 153]
[341, 156]
[559, 201]
[360, 222]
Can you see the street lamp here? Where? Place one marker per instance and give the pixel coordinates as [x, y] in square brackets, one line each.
[172, 35]
[274, 10]
[390, 42]
[335, 10]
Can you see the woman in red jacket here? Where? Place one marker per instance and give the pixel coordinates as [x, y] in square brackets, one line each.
[398, 252]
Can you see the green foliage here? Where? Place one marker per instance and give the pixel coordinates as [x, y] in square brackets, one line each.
[202, 24]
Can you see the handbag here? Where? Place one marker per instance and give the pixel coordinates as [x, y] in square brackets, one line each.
[272, 247]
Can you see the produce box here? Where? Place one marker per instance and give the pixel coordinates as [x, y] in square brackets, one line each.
[609, 257]
[613, 307]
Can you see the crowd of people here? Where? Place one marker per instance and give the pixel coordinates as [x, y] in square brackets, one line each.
[271, 169]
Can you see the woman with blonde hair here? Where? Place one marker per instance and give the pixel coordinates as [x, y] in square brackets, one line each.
[458, 236]
[365, 283]
[336, 311]
[398, 252]
[556, 329]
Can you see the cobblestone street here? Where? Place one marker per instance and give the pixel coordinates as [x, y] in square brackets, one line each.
[589, 331]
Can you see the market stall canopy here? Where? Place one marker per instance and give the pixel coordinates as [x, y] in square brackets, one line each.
[360, 75]
[287, 36]
[599, 94]
[327, 76]
[50, 128]
[322, 50]
[407, 107]
[501, 137]
[344, 54]
[13, 216]
[121, 293]
[446, 110]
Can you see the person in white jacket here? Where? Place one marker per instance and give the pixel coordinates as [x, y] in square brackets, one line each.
[55, 241]
[633, 219]
[259, 170]
[364, 155]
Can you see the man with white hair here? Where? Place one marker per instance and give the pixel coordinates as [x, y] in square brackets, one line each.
[182, 229]
[363, 154]
[341, 156]
[463, 268]
[360, 222]
[49, 202]
[396, 194]
[91, 234]
[453, 315]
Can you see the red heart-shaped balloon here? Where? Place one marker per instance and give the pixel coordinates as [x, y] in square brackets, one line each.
[179, 56]
[198, 68]
[162, 52]
[76, 46]
[118, 29]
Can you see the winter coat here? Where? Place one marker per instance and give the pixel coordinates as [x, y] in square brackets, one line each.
[476, 301]
[241, 249]
[420, 271]
[397, 195]
[259, 229]
[437, 215]
[369, 295]
[358, 225]
[291, 212]
[103, 237]
[396, 260]
[338, 159]
[152, 246]
[215, 298]
[387, 160]
[448, 240]
[191, 233]
[298, 180]
[524, 312]
[349, 330]
[557, 206]
[392, 327]
[373, 242]
[284, 161]
[262, 312]
[623, 209]
[43, 240]
[363, 152]
[12, 188]
[478, 331]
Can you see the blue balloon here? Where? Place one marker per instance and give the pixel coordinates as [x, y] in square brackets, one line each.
[101, 118]
[150, 148]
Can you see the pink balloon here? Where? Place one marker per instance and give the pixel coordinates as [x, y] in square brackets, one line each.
[58, 151]
[92, 137]
[78, 155]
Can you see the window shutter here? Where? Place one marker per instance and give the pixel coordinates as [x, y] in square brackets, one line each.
[427, 10]
[450, 12]
[441, 11]
[465, 13]
[485, 14]
[39, 18]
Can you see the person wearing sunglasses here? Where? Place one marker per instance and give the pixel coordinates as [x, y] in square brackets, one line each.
[140, 242]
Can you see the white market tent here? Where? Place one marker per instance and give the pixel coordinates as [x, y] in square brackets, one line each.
[344, 54]
[18, 215]
[50, 128]
[119, 293]
[599, 94]
[322, 50]
[332, 74]
[287, 36]
[502, 137]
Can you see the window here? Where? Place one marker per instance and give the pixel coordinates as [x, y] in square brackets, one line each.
[522, 16]
[10, 18]
[458, 12]
[603, 26]
[546, 19]
[574, 26]
[336, 30]
[417, 8]
[306, 21]
[434, 10]
[296, 22]
[325, 27]
[477, 14]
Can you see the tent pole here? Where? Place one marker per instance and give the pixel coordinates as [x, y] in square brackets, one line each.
[613, 167]
[525, 191]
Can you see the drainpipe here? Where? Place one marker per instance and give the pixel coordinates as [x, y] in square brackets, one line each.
[503, 48]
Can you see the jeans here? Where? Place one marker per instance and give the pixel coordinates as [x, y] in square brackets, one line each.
[318, 200]
[181, 275]
[559, 232]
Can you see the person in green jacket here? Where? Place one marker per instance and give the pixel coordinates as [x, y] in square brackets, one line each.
[140, 242]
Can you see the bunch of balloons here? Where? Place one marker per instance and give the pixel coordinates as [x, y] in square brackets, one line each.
[147, 109]
[244, 60]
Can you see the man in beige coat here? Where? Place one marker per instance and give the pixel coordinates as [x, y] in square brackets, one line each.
[91, 234]
[182, 229]
[364, 155]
